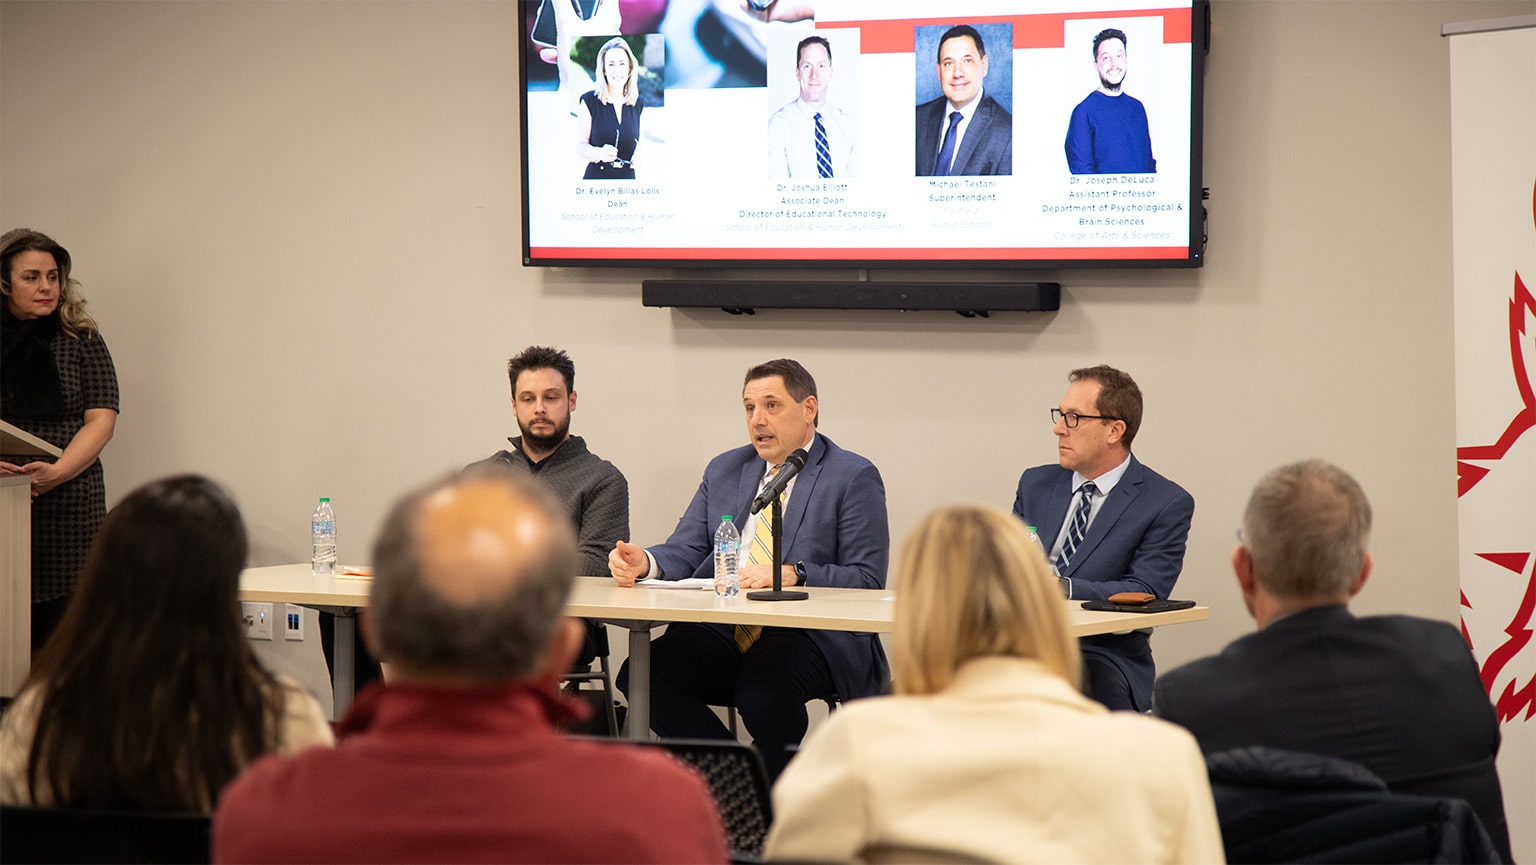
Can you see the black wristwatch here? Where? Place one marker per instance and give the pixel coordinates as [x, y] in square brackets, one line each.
[800, 572]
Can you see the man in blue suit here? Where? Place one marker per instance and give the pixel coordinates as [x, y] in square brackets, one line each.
[835, 533]
[965, 131]
[1110, 523]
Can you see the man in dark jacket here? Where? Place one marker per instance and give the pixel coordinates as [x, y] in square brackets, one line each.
[1399, 695]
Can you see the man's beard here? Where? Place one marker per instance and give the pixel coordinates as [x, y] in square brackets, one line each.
[545, 443]
[1112, 88]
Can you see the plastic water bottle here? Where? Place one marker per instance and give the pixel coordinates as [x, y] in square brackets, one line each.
[322, 536]
[1034, 538]
[727, 551]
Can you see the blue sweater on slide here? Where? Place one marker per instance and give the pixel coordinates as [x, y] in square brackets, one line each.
[1109, 135]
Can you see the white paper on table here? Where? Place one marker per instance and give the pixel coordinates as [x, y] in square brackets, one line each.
[690, 583]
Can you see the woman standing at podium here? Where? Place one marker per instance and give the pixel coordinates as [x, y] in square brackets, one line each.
[58, 383]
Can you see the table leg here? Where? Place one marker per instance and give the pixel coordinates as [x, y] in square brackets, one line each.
[341, 655]
[638, 723]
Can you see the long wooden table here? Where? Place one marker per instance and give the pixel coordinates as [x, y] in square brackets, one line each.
[642, 609]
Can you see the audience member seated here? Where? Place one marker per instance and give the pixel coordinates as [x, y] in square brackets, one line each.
[456, 757]
[1399, 695]
[988, 752]
[148, 697]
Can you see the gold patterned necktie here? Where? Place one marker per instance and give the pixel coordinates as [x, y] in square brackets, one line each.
[760, 553]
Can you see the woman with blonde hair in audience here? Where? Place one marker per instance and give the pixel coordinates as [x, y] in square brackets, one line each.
[988, 751]
[148, 697]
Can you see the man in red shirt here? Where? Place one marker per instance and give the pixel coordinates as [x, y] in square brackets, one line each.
[456, 758]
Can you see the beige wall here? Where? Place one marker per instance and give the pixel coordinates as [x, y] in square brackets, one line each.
[256, 192]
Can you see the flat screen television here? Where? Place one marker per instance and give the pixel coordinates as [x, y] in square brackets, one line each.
[867, 133]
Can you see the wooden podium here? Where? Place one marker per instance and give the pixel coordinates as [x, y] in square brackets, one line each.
[16, 559]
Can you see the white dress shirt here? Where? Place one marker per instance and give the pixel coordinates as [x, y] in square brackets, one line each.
[792, 141]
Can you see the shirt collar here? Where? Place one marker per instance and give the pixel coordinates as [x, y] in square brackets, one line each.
[1104, 482]
[969, 110]
[809, 449]
[517, 448]
[491, 711]
[810, 110]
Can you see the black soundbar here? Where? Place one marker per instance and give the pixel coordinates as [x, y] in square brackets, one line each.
[966, 298]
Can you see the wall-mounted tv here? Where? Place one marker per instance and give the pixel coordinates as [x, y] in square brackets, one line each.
[975, 133]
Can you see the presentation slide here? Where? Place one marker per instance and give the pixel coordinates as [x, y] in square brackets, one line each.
[872, 131]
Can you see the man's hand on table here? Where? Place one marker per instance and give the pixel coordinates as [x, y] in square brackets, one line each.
[627, 563]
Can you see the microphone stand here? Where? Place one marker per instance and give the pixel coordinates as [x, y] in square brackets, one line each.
[779, 593]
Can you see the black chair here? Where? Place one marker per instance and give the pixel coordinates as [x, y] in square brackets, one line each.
[597, 643]
[63, 835]
[739, 783]
[1279, 806]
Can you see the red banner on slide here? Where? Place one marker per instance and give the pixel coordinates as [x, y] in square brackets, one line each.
[1029, 31]
[942, 254]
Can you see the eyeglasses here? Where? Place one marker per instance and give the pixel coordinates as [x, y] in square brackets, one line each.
[1072, 418]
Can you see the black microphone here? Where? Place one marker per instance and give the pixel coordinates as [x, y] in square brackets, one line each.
[792, 466]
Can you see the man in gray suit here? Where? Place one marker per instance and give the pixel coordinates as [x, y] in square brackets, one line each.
[965, 131]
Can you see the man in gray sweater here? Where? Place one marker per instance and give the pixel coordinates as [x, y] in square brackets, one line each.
[592, 490]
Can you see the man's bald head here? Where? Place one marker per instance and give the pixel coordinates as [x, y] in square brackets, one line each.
[471, 575]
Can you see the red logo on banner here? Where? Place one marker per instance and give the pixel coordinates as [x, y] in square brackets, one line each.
[1514, 698]
[1522, 311]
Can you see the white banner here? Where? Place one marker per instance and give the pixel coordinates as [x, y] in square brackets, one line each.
[1493, 157]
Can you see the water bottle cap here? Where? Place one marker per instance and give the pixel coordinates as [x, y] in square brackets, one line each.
[1031, 528]
[726, 518]
[325, 498]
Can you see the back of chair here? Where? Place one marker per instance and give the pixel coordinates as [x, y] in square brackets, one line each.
[1281, 806]
[62, 835]
[739, 782]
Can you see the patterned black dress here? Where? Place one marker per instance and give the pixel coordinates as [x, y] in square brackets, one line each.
[65, 519]
[621, 130]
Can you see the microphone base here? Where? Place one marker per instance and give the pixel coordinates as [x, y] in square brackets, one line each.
[778, 595]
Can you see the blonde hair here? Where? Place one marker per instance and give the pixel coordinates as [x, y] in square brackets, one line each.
[970, 584]
[73, 319]
[631, 84]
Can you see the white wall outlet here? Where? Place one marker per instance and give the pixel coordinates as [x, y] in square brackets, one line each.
[258, 620]
[293, 615]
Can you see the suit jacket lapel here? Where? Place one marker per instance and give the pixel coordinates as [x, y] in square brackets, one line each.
[1055, 516]
[805, 483]
[1118, 500]
[747, 486]
[974, 132]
